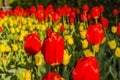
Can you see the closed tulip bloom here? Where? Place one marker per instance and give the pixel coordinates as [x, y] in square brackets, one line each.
[52, 76]
[83, 34]
[66, 58]
[32, 44]
[95, 34]
[84, 43]
[118, 29]
[83, 17]
[104, 22]
[115, 12]
[95, 12]
[113, 29]
[53, 49]
[117, 52]
[86, 69]
[112, 44]
[85, 8]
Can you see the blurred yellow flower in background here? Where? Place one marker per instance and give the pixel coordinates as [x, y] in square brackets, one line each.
[66, 58]
[69, 39]
[88, 52]
[2, 47]
[15, 47]
[83, 34]
[117, 52]
[38, 60]
[113, 29]
[96, 48]
[112, 44]
[27, 75]
[84, 43]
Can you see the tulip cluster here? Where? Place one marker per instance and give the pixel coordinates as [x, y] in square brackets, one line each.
[59, 44]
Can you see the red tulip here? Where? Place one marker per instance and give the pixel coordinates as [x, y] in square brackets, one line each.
[95, 12]
[53, 49]
[0, 29]
[104, 22]
[52, 76]
[83, 17]
[62, 28]
[32, 9]
[86, 69]
[115, 11]
[32, 44]
[55, 17]
[71, 20]
[118, 29]
[49, 31]
[101, 7]
[85, 8]
[95, 34]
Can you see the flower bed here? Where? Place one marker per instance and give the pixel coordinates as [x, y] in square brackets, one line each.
[65, 44]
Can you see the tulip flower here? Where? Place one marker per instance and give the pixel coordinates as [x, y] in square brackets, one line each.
[101, 7]
[83, 17]
[86, 69]
[66, 58]
[52, 76]
[85, 8]
[115, 11]
[95, 34]
[1, 29]
[95, 12]
[118, 29]
[27, 75]
[53, 49]
[88, 53]
[104, 22]
[112, 44]
[114, 29]
[117, 52]
[32, 44]
[84, 43]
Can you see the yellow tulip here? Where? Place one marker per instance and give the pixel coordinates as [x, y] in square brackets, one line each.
[95, 48]
[43, 27]
[81, 27]
[38, 60]
[12, 30]
[21, 38]
[84, 43]
[83, 34]
[69, 39]
[117, 52]
[88, 52]
[112, 44]
[2, 48]
[72, 26]
[15, 47]
[114, 29]
[27, 75]
[66, 58]
[7, 48]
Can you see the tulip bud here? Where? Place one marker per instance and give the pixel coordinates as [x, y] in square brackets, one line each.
[52, 76]
[84, 43]
[32, 44]
[112, 44]
[117, 52]
[86, 69]
[53, 49]
[66, 58]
